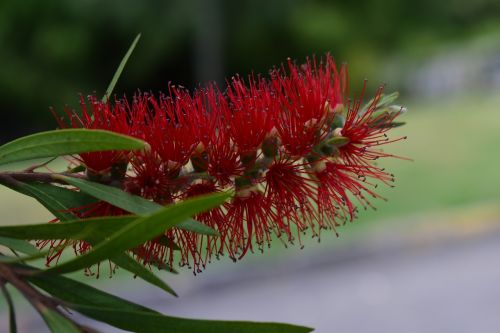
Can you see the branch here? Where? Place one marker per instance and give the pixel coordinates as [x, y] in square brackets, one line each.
[42, 177]
[38, 300]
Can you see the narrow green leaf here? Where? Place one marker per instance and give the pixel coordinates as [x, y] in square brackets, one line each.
[49, 200]
[58, 200]
[126, 315]
[394, 124]
[131, 203]
[66, 142]
[66, 198]
[383, 101]
[76, 229]
[75, 292]
[94, 231]
[15, 260]
[56, 322]
[78, 168]
[18, 245]
[126, 262]
[12, 312]
[120, 68]
[142, 230]
[164, 240]
[151, 322]
[113, 195]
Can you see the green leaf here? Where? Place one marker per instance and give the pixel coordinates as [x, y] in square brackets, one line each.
[92, 230]
[12, 312]
[131, 203]
[126, 315]
[56, 322]
[142, 230]
[151, 322]
[126, 262]
[78, 168]
[18, 245]
[384, 101]
[120, 68]
[75, 292]
[19, 259]
[66, 198]
[113, 195]
[164, 240]
[393, 124]
[56, 199]
[76, 229]
[66, 142]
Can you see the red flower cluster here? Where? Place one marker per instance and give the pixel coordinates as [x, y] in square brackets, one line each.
[296, 151]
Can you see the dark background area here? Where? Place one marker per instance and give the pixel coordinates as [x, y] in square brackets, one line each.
[50, 51]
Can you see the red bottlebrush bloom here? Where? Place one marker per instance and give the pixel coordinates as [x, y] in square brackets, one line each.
[56, 247]
[250, 219]
[151, 178]
[304, 93]
[205, 113]
[366, 132]
[337, 181]
[103, 116]
[223, 159]
[273, 142]
[199, 249]
[251, 113]
[290, 189]
[171, 133]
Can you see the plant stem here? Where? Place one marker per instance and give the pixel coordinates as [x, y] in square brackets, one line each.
[39, 301]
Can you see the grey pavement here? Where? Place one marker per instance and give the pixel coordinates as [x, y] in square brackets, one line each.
[382, 284]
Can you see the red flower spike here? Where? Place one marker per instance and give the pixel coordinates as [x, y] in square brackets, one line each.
[303, 121]
[279, 135]
[223, 159]
[205, 114]
[171, 133]
[366, 134]
[207, 246]
[100, 116]
[289, 188]
[250, 220]
[152, 178]
[56, 247]
[336, 182]
[251, 113]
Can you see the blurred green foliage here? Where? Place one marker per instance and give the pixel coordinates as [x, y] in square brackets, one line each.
[52, 50]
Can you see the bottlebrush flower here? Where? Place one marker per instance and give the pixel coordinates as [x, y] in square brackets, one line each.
[250, 220]
[297, 154]
[366, 133]
[304, 92]
[224, 162]
[337, 182]
[251, 113]
[104, 116]
[290, 188]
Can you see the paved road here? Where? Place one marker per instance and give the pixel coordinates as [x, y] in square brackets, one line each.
[450, 287]
[454, 288]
